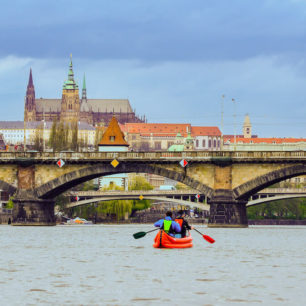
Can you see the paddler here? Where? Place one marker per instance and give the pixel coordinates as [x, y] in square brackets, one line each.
[168, 225]
[180, 219]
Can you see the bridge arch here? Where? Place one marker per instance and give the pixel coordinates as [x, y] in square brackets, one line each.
[273, 199]
[163, 199]
[71, 179]
[244, 191]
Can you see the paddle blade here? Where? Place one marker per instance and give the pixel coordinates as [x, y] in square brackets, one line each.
[139, 235]
[209, 239]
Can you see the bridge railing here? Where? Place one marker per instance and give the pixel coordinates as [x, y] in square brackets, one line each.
[186, 192]
[194, 155]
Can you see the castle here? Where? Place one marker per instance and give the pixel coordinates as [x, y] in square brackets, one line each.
[71, 107]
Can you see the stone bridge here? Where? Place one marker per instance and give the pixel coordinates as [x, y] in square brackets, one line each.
[227, 179]
[187, 197]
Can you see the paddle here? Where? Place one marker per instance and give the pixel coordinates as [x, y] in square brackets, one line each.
[142, 234]
[206, 237]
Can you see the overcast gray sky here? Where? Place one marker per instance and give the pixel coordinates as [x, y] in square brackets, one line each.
[172, 58]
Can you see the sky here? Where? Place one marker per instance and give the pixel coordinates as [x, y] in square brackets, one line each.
[173, 59]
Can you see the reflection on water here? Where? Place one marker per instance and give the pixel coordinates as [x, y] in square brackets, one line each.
[105, 265]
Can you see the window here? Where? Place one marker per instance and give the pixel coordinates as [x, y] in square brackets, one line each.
[157, 145]
[170, 143]
[215, 143]
[203, 143]
[144, 146]
[112, 138]
[209, 143]
[197, 142]
[133, 137]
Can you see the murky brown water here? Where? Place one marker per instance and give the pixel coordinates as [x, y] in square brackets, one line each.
[105, 265]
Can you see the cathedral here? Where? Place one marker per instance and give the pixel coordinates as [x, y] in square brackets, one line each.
[71, 106]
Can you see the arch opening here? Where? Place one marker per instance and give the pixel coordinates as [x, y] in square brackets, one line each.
[71, 179]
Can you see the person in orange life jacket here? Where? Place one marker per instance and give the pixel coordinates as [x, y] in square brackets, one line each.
[168, 225]
[183, 223]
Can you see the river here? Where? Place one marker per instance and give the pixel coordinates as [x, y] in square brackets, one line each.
[105, 265]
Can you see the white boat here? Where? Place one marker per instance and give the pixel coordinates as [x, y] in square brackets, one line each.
[78, 220]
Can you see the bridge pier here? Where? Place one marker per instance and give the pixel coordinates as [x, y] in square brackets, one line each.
[227, 212]
[33, 211]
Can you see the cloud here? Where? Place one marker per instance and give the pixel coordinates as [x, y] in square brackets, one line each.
[154, 30]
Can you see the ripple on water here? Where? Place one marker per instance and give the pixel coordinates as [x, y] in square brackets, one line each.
[206, 280]
[38, 290]
[200, 293]
[144, 299]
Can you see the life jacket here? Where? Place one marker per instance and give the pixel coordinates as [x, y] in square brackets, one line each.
[167, 226]
[179, 221]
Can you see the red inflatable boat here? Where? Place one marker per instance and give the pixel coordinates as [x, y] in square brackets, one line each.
[163, 240]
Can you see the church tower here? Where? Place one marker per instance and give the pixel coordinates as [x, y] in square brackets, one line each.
[70, 105]
[85, 110]
[247, 127]
[30, 107]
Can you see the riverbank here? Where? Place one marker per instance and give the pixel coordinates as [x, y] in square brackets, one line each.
[277, 222]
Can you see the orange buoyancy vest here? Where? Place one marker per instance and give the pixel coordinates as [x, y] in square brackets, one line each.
[179, 221]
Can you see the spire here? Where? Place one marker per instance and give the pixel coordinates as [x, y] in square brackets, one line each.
[70, 73]
[84, 95]
[84, 83]
[30, 83]
[70, 83]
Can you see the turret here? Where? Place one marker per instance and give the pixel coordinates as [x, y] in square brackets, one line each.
[247, 127]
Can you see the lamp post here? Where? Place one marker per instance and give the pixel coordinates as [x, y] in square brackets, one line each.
[235, 118]
[222, 113]
[44, 144]
[24, 136]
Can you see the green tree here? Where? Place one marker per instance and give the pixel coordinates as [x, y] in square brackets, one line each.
[139, 183]
[74, 136]
[98, 135]
[38, 138]
[10, 203]
[52, 137]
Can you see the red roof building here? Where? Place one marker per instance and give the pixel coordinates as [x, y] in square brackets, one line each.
[160, 136]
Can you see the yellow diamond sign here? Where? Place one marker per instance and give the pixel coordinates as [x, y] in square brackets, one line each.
[115, 163]
[141, 197]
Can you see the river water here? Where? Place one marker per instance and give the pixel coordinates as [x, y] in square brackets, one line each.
[105, 265]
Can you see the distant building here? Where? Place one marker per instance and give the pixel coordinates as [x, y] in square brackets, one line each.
[161, 136]
[206, 138]
[249, 142]
[71, 107]
[113, 141]
[266, 144]
[3, 146]
[19, 132]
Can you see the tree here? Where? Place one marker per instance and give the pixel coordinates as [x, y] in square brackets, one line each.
[74, 135]
[52, 137]
[98, 135]
[139, 183]
[180, 186]
[39, 138]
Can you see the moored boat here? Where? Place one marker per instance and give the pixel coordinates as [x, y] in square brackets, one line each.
[78, 221]
[163, 240]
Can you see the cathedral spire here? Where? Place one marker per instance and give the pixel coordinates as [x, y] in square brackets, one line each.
[30, 107]
[70, 73]
[70, 83]
[30, 83]
[84, 95]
